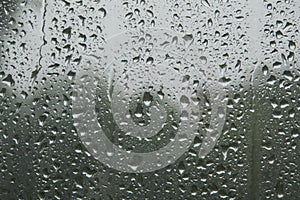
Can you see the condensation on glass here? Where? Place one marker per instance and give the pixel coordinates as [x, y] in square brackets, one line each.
[149, 99]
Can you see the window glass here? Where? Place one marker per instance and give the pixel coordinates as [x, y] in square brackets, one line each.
[149, 99]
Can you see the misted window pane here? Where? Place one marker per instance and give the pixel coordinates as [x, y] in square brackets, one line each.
[149, 99]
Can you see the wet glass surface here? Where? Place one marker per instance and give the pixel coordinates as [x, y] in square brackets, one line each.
[149, 99]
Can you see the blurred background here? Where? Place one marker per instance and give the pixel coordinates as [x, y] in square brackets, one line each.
[253, 46]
